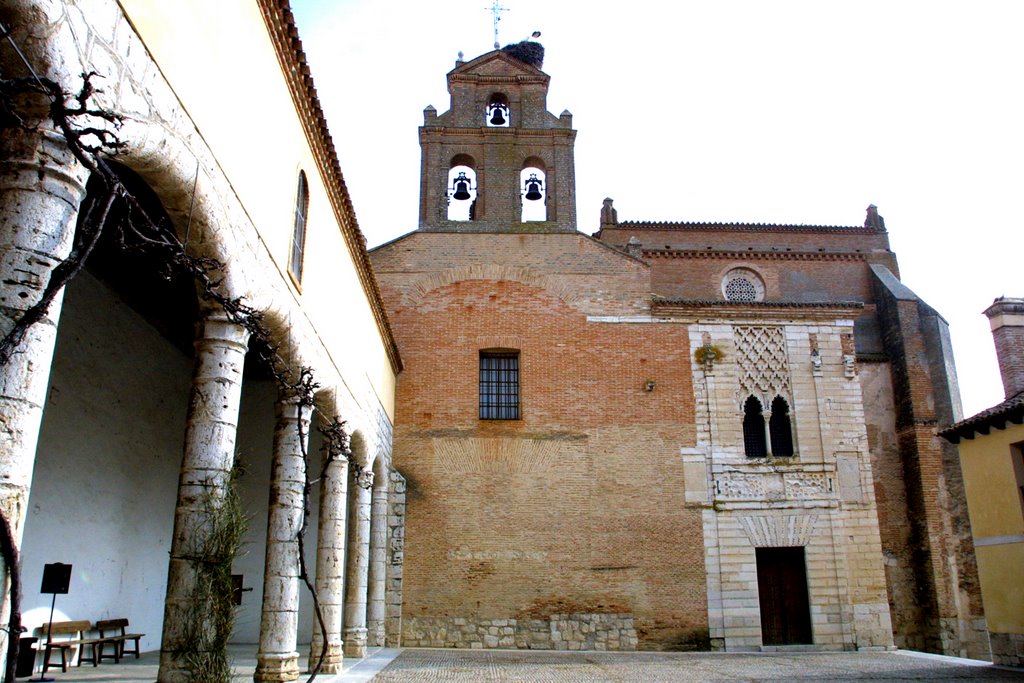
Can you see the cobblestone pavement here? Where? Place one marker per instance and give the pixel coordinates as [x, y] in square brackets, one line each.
[498, 666]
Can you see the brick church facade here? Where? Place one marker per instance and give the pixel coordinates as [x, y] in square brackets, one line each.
[666, 435]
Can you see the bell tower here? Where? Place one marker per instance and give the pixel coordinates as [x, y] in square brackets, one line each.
[498, 160]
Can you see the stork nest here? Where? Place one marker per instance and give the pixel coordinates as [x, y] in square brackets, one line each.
[526, 51]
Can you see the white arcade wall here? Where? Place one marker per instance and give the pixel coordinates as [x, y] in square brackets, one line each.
[106, 472]
[106, 469]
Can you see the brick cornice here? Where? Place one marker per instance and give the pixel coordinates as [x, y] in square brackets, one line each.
[752, 255]
[449, 131]
[734, 310]
[742, 227]
[277, 15]
[497, 79]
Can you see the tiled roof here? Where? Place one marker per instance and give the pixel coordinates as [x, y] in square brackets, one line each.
[284, 35]
[996, 417]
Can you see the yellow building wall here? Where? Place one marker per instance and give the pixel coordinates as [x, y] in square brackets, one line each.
[997, 523]
[219, 59]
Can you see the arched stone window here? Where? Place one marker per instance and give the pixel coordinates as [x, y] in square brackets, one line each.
[498, 113]
[755, 444]
[534, 191]
[780, 429]
[742, 284]
[462, 189]
[299, 231]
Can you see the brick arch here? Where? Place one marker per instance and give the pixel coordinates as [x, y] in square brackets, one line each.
[492, 271]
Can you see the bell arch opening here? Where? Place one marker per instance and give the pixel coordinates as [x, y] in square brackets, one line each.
[497, 114]
[462, 189]
[533, 191]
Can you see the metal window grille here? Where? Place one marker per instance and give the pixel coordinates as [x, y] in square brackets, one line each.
[499, 386]
[740, 289]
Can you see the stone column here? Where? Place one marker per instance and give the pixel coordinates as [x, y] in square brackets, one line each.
[41, 188]
[378, 553]
[330, 563]
[358, 564]
[209, 455]
[277, 659]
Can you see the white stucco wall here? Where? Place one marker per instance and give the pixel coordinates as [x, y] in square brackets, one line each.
[106, 470]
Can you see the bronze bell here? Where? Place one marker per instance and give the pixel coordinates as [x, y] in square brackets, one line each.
[461, 187]
[533, 186]
[498, 115]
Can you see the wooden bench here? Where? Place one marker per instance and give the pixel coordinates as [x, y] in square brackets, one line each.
[113, 632]
[72, 634]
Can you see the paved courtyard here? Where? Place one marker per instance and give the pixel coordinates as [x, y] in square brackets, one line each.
[506, 666]
[465, 666]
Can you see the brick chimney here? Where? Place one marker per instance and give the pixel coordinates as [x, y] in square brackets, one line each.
[1006, 317]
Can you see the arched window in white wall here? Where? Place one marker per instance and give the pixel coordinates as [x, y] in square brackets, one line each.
[299, 230]
[461, 193]
[498, 114]
[533, 189]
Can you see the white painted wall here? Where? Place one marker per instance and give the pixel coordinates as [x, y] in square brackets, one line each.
[106, 472]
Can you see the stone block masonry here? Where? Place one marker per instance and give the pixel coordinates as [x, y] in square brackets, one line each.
[578, 631]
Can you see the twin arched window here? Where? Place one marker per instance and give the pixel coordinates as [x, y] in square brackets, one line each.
[779, 429]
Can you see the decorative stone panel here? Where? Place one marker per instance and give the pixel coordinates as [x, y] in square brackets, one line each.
[805, 485]
[765, 531]
[772, 486]
[761, 354]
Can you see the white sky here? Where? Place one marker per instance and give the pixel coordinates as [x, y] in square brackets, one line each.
[729, 110]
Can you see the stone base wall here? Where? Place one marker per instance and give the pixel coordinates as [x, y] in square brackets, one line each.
[964, 638]
[395, 558]
[1007, 648]
[578, 631]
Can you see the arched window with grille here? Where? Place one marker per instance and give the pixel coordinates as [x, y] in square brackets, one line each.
[780, 429]
[755, 444]
[299, 231]
[742, 285]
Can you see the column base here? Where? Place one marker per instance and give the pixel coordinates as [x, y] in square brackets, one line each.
[333, 658]
[277, 668]
[355, 643]
[375, 634]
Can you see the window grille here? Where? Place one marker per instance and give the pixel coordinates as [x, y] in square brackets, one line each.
[740, 289]
[299, 231]
[499, 385]
[754, 442]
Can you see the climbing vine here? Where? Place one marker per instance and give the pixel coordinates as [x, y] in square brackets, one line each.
[91, 135]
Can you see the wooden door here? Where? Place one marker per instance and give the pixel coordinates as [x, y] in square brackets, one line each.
[782, 590]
